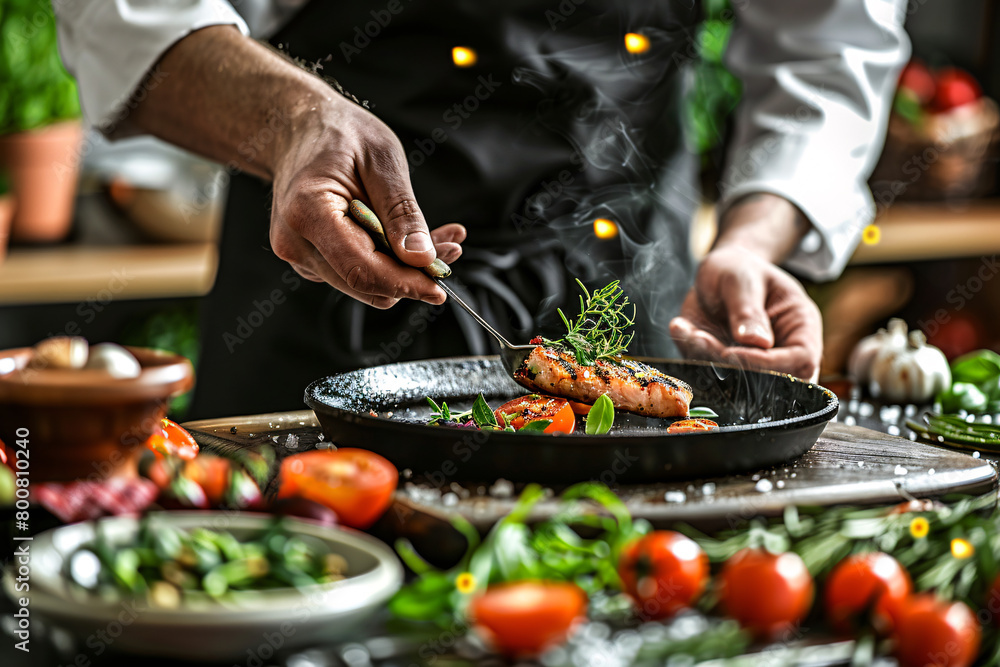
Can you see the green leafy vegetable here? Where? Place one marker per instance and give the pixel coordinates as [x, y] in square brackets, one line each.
[537, 426]
[702, 412]
[975, 385]
[599, 330]
[482, 413]
[601, 416]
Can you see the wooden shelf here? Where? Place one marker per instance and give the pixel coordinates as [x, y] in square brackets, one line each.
[914, 232]
[73, 273]
[909, 232]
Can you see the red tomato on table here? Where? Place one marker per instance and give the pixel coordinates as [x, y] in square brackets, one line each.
[527, 617]
[172, 440]
[526, 409]
[862, 586]
[766, 593]
[664, 572]
[934, 632]
[955, 88]
[355, 483]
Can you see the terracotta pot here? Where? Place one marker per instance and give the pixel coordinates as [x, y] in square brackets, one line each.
[43, 166]
[6, 214]
[84, 424]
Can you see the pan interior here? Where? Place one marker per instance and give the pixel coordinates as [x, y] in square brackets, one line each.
[744, 400]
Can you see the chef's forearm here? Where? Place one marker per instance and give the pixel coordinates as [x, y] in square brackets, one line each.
[224, 96]
[764, 224]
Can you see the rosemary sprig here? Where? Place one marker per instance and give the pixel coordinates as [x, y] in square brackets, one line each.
[599, 331]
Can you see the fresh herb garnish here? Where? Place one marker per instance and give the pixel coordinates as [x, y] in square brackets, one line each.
[601, 416]
[702, 412]
[539, 426]
[483, 415]
[599, 331]
[443, 413]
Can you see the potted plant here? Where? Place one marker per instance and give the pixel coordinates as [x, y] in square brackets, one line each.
[6, 213]
[40, 132]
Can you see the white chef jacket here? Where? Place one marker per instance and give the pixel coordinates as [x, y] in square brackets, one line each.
[818, 78]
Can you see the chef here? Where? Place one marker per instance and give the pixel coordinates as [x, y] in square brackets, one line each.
[542, 139]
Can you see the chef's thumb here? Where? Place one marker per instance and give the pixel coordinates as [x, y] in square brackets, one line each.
[745, 306]
[395, 205]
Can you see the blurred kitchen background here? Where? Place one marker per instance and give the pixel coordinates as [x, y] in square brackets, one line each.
[118, 241]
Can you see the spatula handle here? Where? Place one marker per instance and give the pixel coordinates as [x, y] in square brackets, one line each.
[366, 217]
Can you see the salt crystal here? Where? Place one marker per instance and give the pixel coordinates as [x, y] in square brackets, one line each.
[755, 477]
[292, 441]
[449, 499]
[931, 471]
[849, 420]
[975, 455]
[764, 486]
[502, 488]
[893, 429]
[911, 410]
[861, 464]
[708, 488]
[674, 496]
[900, 470]
[322, 437]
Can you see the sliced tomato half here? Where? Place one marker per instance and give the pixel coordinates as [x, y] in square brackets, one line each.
[354, 483]
[698, 425]
[533, 407]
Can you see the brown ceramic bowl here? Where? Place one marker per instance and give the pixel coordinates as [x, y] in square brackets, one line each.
[84, 423]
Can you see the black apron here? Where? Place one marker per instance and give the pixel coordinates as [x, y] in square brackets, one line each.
[557, 124]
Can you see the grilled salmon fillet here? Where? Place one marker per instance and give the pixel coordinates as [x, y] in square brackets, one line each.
[631, 385]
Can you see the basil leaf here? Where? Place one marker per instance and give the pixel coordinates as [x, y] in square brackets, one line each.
[538, 425]
[482, 413]
[601, 416]
[702, 412]
[976, 367]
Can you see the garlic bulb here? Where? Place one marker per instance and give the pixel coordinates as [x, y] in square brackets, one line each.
[60, 352]
[860, 363]
[914, 374]
[115, 359]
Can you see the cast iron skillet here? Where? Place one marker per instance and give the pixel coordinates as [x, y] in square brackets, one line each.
[766, 418]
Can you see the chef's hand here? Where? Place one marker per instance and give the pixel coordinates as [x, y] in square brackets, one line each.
[320, 150]
[343, 153]
[743, 308]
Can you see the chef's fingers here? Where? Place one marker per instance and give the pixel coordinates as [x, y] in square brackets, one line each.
[448, 252]
[694, 342]
[802, 362]
[394, 281]
[306, 273]
[447, 242]
[744, 294]
[452, 232]
[386, 178]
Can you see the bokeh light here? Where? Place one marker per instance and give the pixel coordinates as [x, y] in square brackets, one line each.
[636, 43]
[463, 56]
[605, 229]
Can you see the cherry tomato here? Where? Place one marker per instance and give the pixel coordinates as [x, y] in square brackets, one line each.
[664, 572]
[525, 409]
[919, 81]
[934, 632]
[172, 440]
[527, 617]
[765, 592]
[354, 483]
[212, 473]
[582, 409]
[863, 588]
[955, 88]
[697, 425]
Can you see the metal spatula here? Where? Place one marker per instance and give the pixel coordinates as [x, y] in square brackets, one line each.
[511, 355]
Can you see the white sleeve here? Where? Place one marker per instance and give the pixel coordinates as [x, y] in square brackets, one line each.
[111, 45]
[818, 78]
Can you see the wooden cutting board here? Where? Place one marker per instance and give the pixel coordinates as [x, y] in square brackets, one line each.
[847, 465]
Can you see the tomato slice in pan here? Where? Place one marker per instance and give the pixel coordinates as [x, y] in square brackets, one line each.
[526, 409]
[354, 483]
[697, 425]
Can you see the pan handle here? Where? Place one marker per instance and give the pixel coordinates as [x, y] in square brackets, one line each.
[365, 217]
